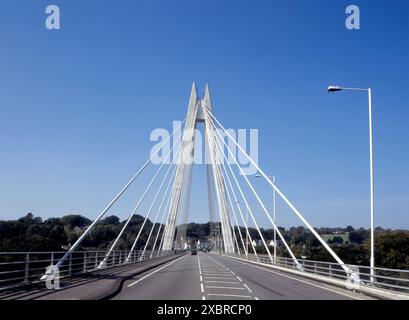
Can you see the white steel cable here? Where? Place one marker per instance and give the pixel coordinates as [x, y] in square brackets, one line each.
[188, 118]
[103, 262]
[245, 202]
[326, 246]
[179, 182]
[261, 203]
[234, 213]
[158, 211]
[163, 216]
[213, 153]
[149, 211]
[75, 245]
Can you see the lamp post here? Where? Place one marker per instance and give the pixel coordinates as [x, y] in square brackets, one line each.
[338, 88]
[273, 178]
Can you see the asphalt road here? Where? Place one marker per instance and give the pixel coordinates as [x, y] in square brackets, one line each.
[87, 286]
[212, 277]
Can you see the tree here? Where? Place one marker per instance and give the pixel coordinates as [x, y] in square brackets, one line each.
[336, 240]
[349, 229]
[75, 220]
[391, 249]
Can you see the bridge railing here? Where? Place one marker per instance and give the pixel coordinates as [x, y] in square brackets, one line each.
[24, 268]
[384, 278]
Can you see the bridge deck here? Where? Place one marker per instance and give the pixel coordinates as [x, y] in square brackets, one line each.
[187, 277]
[209, 277]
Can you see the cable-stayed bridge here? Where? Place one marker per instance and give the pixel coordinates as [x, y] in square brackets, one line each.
[164, 269]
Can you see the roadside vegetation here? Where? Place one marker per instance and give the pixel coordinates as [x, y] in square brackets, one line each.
[31, 233]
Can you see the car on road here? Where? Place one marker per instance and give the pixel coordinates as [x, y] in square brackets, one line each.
[194, 252]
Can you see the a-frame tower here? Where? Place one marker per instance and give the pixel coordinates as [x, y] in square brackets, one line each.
[197, 114]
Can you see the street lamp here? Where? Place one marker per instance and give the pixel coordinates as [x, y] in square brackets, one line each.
[273, 178]
[338, 88]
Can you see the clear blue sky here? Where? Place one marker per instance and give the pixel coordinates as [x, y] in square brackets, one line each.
[77, 105]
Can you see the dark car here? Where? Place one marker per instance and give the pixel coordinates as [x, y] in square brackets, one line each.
[194, 252]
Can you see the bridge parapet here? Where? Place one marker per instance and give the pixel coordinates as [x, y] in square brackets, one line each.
[25, 268]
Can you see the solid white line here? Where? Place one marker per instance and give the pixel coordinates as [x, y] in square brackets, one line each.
[201, 279]
[201, 287]
[247, 288]
[157, 270]
[232, 288]
[239, 278]
[228, 295]
[303, 281]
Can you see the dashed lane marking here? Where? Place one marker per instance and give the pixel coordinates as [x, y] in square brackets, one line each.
[225, 282]
[228, 295]
[229, 288]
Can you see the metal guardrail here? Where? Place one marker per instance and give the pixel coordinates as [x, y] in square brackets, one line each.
[24, 268]
[388, 279]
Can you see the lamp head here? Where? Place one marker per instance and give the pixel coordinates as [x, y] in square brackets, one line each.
[334, 89]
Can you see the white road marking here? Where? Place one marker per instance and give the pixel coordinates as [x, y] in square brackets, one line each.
[220, 278]
[157, 270]
[255, 298]
[226, 282]
[200, 276]
[218, 274]
[228, 295]
[229, 288]
[303, 281]
[233, 276]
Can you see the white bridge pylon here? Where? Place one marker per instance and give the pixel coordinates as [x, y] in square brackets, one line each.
[196, 114]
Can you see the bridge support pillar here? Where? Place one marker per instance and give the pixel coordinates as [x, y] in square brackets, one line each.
[196, 114]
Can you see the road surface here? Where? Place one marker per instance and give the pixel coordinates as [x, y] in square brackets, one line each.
[213, 277]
